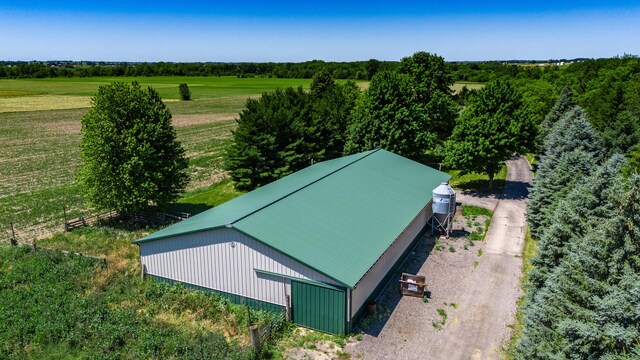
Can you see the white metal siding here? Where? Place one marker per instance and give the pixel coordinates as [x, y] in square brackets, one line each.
[224, 260]
[379, 270]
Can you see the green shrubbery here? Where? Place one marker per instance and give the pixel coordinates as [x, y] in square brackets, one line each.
[185, 92]
[53, 304]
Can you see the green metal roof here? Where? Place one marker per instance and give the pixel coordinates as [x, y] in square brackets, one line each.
[337, 217]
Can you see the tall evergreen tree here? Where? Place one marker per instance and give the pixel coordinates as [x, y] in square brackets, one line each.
[571, 151]
[575, 215]
[563, 104]
[588, 306]
[331, 115]
[267, 134]
[284, 131]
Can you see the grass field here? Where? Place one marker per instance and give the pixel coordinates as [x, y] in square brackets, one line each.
[201, 87]
[530, 250]
[40, 155]
[457, 87]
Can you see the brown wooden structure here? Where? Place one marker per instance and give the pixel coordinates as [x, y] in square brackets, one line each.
[412, 285]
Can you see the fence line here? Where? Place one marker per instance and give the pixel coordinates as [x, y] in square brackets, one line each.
[14, 242]
[139, 217]
[274, 325]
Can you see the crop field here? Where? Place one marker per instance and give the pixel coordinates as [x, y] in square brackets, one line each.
[40, 92]
[457, 87]
[40, 159]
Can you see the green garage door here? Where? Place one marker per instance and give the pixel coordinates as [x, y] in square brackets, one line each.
[318, 307]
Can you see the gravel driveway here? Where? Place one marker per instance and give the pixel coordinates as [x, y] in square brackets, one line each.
[476, 288]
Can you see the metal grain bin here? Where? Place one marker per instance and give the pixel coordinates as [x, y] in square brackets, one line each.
[444, 200]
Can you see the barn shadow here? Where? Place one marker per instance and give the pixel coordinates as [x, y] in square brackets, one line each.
[390, 296]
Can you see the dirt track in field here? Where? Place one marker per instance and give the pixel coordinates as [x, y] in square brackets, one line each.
[73, 127]
[477, 289]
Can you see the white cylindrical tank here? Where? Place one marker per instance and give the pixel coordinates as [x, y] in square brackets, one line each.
[444, 200]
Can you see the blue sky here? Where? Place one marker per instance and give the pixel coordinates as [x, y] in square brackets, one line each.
[304, 30]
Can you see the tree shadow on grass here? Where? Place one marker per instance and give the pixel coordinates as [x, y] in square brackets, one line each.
[390, 295]
[152, 218]
[481, 187]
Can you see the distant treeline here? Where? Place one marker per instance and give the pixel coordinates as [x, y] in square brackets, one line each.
[359, 70]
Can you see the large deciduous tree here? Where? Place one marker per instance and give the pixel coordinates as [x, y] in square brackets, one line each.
[410, 112]
[490, 131]
[432, 82]
[389, 117]
[285, 131]
[131, 157]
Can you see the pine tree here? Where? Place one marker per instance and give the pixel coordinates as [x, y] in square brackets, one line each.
[563, 104]
[588, 306]
[586, 204]
[284, 131]
[571, 151]
[268, 144]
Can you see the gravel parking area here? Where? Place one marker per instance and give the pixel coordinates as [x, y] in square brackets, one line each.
[472, 291]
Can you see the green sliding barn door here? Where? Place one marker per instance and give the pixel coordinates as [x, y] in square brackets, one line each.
[318, 307]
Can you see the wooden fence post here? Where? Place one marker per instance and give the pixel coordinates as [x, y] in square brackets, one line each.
[255, 337]
[287, 305]
[64, 212]
[13, 240]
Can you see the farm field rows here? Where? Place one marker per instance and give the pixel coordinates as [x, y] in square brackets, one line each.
[40, 156]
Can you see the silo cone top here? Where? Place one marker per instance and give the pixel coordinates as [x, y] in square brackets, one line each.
[444, 189]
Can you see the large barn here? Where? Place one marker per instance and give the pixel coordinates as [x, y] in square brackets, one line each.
[326, 239]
